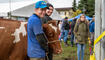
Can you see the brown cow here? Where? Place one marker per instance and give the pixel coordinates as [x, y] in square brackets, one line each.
[13, 39]
[52, 32]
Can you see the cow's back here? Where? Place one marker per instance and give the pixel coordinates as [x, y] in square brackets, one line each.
[13, 40]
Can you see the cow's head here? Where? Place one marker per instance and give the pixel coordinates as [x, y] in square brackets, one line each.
[52, 32]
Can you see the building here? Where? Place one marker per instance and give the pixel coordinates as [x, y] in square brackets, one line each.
[65, 12]
[64, 7]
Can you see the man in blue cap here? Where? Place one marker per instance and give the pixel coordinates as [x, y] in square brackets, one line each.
[37, 41]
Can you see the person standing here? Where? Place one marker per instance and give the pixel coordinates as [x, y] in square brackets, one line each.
[37, 41]
[61, 31]
[45, 19]
[72, 29]
[49, 12]
[92, 28]
[81, 31]
[65, 26]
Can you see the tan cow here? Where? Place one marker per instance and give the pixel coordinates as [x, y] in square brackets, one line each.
[13, 39]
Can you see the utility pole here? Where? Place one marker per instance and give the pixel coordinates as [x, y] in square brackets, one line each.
[103, 29]
[99, 28]
[9, 13]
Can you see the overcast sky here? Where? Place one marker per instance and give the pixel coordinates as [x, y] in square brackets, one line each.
[4, 1]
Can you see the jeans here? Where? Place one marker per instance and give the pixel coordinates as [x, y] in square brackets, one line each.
[72, 38]
[62, 35]
[65, 35]
[80, 51]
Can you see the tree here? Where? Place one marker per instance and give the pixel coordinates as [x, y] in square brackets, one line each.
[91, 8]
[87, 7]
[77, 12]
[82, 5]
[74, 5]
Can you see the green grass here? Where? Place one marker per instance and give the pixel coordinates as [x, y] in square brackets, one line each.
[70, 53]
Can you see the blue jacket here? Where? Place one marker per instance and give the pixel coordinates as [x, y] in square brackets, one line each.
[92, 26]
[34, 27]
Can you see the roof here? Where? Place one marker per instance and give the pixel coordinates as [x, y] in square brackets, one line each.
[16, 4]
[63, 9]
[25, 7]
[5, 6]
[61, 3]
[29, 10]
[26, 11]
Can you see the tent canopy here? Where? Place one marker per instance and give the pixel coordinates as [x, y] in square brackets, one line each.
[22, 9]
[7, 7]
[77, 17]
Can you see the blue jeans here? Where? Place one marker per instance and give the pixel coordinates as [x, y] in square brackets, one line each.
[62, 35]
[72, 38]
[65, 35]
[80, 50]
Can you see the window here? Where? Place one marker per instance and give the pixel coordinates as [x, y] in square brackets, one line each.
[62, 13]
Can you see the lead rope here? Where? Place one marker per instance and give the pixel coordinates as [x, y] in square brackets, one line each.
[53, 41]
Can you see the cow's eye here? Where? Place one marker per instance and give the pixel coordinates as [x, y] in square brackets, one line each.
[51, 34]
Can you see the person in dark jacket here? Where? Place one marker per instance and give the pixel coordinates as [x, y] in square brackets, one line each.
[72, 29]
[45, 19]
[65, 26]
[91, 29]
[49, 11]
[37, 41]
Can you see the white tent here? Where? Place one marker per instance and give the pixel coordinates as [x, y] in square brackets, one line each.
[61, 3]
[7, 6]
[22, 9]
[29, 10]
[25, 8]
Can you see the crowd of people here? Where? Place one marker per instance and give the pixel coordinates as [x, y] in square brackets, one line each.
[79, 29]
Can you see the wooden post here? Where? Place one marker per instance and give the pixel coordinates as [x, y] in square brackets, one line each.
[9, 13]
[103, 29]
[98, 27]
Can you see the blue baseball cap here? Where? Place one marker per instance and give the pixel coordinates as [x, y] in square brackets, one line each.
[40, 4]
